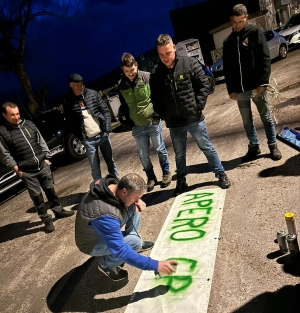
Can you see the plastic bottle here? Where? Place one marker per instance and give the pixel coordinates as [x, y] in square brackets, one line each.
[290, 223]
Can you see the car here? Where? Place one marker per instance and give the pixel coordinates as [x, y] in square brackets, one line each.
[291, 30]
[59, 138]
[278, 47]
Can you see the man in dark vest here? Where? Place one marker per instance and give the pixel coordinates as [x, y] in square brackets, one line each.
[23, 149]
[110, 205]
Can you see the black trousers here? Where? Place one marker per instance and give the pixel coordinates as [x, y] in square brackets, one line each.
[34, 182]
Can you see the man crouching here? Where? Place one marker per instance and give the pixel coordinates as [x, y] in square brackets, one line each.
[108, 206]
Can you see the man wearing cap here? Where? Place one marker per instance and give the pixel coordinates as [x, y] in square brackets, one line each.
[90, 121]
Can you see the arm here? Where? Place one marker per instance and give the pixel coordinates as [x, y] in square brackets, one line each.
[7, 159]
[124, 110]
[155, 97]
[200, 84]
[264, 60]
[43, 144]
[108, 228]
[105, 112]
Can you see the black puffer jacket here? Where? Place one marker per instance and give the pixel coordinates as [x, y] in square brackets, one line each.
[179, 94]
[246, 60]
[94, 103]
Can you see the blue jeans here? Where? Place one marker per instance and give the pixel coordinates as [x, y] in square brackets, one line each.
[91, 145]
[131, 238]
[244, 104]
[199, 132]
[142, 136]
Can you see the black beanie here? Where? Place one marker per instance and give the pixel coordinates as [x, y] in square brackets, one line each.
[75, 78]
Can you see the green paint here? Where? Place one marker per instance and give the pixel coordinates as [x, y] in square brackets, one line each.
[192, 222]
[198, 195]
[178, 283]
[190, 211]
[199, 234]
[201, 203]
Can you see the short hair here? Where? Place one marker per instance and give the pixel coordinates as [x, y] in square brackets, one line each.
[163, 40]
[132, 183]
[239, 10]
[8, 104]
[127, 59]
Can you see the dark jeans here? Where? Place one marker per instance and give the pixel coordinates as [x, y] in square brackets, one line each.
[34, 182]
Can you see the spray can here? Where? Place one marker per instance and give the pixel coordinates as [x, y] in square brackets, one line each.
[292, 244]
[160, 275]
[282, 242]
[290, 223]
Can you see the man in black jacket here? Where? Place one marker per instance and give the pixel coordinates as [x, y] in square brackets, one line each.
[23, 149]
[90, 121]
[179, 90]
[247, 68]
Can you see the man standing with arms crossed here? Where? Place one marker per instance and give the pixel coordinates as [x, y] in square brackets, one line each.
[247, 68]
[179, 91]
[135, 96]
[90, 121]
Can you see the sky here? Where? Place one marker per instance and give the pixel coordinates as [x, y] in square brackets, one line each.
[89, 39]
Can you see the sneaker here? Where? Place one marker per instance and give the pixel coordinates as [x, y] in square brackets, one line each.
[180, 188]
[49, 227]
[274, 152]
[147, 245]
[114, 274]
[166, 180]
[60, 212]
[151, 183]
[224, 180]
[253, 152]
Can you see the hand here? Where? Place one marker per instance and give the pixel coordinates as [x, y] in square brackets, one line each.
[48, 162]
[232, 96]
[165, 267]
[107, 133]
[260, 90]
[18, 172]
[140, 206]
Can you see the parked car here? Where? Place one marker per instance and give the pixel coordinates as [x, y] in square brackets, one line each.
[278, 47]
[291, 30]
[59, 139]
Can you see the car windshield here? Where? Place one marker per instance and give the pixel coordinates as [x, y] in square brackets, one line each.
[293, 21]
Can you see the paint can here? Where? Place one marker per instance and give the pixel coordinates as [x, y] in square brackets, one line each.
[282, 242]
[290, 223]
[292, 243]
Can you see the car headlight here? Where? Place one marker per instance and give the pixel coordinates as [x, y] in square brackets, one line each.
[295, 33]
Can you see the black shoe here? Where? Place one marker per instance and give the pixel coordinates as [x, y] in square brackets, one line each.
[147, 245]
[224, 180]
[166, 180]
[114, 274]
[253, 152]
[180, 188]
[151, 183]
[60, 212]
[274, 152]
[49, 228]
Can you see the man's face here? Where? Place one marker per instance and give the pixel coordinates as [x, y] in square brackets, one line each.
[130, 72]
[167, 54]
[130, 198]
[238, 22]
[77, 88]
[12, 115]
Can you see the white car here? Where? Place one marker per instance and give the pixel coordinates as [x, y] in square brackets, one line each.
[291, 30]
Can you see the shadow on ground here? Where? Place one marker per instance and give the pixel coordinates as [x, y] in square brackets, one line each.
[284, 300]
[290, 168]
[80, 289]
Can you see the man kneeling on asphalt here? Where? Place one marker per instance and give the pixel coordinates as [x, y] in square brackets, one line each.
[107, 207]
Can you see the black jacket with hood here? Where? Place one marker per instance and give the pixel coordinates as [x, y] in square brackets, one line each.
[246, 60]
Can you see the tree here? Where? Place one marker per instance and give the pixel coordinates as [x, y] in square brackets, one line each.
[15, 16]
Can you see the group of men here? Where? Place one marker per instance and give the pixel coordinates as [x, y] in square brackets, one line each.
[108, 218]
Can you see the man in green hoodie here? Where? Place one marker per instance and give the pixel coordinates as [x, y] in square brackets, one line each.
[135, 98]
